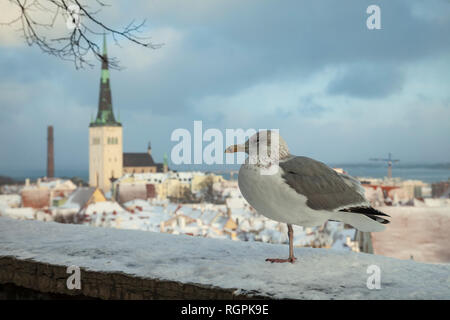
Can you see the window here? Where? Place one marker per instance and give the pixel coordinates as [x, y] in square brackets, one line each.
[113, 140]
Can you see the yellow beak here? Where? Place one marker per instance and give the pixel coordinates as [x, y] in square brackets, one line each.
[235, 148]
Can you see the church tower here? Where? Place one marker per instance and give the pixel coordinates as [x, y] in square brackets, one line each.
[105, 137]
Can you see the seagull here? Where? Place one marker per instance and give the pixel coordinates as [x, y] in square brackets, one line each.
[298, 190]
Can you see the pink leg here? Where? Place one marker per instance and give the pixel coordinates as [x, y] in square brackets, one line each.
[291, 258]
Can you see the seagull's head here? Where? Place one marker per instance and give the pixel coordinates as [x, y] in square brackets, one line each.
[262, 147]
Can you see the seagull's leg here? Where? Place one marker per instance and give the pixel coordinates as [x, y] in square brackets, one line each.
[291, 243]
[291, 258]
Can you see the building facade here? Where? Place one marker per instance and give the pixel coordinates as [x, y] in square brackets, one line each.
[107, 162]
[105, 137]
[134, 162]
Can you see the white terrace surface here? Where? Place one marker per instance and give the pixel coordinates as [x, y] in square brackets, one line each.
[318, 273]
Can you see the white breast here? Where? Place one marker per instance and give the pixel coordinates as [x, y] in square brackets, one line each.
[273, 198]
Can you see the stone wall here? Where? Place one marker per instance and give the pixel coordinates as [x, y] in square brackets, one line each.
[28, 279]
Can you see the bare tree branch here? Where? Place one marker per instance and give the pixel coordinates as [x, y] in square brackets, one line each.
[82, 26]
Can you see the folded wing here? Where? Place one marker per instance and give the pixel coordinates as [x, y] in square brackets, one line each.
[326, 189]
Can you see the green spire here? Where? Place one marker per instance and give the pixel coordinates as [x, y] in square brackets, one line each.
[105, 71]
[166, 159]
[105, 114]
[104, 44]
[105, 75]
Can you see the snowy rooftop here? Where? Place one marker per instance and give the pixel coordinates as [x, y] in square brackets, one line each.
[158, 177]
[318, 274]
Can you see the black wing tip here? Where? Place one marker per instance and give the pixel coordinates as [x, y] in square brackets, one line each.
[370, 212]
[365, 210]
[378, 219]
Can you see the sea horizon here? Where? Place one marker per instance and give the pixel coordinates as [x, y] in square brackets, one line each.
[427, 172]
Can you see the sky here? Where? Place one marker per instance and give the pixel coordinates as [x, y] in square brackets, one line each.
[337, 91]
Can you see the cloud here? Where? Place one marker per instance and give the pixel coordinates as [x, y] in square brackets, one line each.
[136, 59]
[45, 23]
[227, 47]
[8, 35]
[27, 109]
[337, 91]
[367, 81]
[309, 108]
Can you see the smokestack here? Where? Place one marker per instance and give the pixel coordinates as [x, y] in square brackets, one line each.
[50, 153]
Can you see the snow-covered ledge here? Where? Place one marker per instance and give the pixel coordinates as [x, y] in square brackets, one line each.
[139, 264]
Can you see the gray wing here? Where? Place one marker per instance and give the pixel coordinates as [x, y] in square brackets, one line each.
[353, 183]
[323, 187]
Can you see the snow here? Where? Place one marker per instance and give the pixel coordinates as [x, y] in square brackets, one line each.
[234, 203]
[138, 203]
[212, 221]
[159, 177]
[343, 239]
[58, 184]
[318, 274]
[104, 206]
[10, 200]
[18, 213]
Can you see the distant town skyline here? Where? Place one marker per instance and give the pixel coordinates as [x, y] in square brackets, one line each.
[338, 92]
